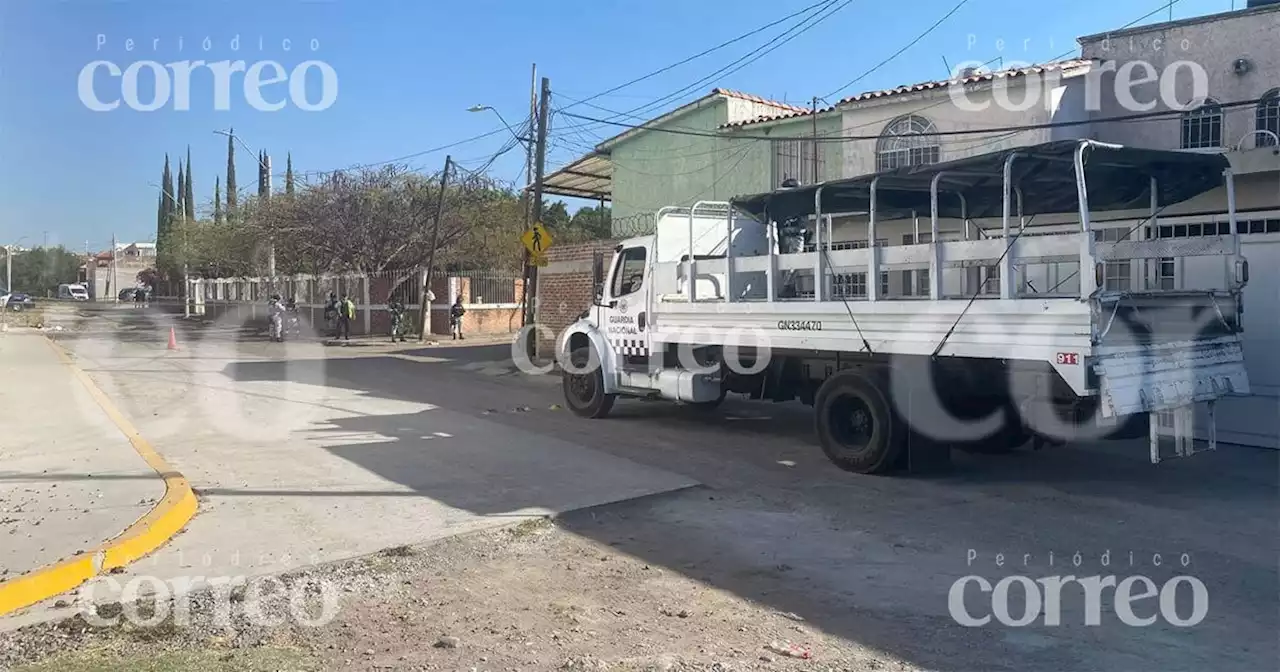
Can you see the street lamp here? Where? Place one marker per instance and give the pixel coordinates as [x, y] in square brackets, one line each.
[482, 108]
[8, 273]
[266, 166]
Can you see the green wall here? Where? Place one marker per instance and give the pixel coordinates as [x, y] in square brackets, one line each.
[653, 169]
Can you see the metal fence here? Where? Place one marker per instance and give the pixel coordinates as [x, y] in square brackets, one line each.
[477, 287]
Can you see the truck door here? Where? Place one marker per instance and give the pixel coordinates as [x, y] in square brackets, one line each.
[626, 293]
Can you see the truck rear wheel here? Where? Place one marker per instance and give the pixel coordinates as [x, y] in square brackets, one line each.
[584, 392]
[856, 425]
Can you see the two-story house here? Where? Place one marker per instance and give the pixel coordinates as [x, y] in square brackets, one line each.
[882, 130]
[1235, 56]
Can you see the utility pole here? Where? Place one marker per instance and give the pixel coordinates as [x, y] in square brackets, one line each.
[528, 177]
[271, 251]
[816, 179]
[113, 287]
[424, 321]
[540, 164]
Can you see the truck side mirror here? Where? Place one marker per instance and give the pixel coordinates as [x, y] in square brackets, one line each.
[597, 276]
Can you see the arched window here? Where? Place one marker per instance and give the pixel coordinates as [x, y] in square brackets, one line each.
[1268, 118]
[1202, 127]
[902, 144]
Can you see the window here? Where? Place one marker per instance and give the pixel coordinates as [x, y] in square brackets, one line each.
[1202, 127]
[916, 282]
[902, 144]
[1165, 274]
[991, 280]
[849, 285]
[795, 159]
[628, 274]
[1268, 118]
[1117, 276]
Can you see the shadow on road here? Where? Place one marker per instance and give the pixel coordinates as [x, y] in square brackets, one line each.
[869, 559]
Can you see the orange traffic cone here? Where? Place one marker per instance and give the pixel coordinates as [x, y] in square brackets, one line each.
[173, 339]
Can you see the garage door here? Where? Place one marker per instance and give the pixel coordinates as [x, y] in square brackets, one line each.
[1255, 420]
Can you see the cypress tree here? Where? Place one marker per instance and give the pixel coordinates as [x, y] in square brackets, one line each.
[180, 208]
[288, 174]
[231, 171]
[190, 195]
[262, 173]
[167, 207]
[160, 213]
[217, 200]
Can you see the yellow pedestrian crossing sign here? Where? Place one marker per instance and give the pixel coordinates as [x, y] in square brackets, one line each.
[537, 239]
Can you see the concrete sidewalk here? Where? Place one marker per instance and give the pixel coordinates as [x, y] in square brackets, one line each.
[69, 479]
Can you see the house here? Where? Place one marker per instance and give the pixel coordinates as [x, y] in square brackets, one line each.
[711, 148]
[1240, 57]
[650, 167]
[105, 279]
[643, 169]
[892, 128]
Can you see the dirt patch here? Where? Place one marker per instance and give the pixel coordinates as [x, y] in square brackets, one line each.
[527, 597]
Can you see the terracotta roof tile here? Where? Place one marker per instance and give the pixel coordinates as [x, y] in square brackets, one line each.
[913, 88]
[757, 99]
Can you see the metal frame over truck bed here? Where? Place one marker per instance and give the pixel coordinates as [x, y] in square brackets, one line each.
[1131, 352]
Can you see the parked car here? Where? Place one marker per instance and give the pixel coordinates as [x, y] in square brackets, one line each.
[74, 292]
[17, 301]
[131, 294]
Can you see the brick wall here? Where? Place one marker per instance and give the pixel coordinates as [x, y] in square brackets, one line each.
[564, 289]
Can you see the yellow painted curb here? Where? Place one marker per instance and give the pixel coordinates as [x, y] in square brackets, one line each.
[148, 533]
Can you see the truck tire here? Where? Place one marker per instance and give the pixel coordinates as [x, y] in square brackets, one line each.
[584, 392]
[856, 424]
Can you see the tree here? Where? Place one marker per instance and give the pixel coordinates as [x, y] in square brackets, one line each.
[167, 206]
[231, 170]
[555, 216]
[189, 193]
[589, 224]
[217, 200]
[41, 270]
[288, 174]
[365, 220]
[148, 277]
[262, 174]
[181, 193]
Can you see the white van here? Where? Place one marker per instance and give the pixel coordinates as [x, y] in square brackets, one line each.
[74, 292]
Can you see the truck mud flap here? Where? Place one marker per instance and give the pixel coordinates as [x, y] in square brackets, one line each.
[1160, 377]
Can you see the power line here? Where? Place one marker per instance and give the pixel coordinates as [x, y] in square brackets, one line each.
[700, 54]
[406, 157]
[846, 138]
[1164, 6]
[898, 53]
[827, 9]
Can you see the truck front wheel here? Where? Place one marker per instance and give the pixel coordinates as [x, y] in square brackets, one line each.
[584, 392]
[856, 425]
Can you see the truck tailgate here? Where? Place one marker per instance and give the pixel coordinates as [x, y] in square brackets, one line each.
[1164, 376]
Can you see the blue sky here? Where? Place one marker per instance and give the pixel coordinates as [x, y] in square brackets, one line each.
[408, 69]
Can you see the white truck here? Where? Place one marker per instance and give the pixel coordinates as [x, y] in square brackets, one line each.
[906, 351]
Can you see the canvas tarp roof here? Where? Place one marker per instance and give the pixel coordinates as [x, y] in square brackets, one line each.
[1118, 178]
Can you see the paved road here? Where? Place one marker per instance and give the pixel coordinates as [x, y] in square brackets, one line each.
[871, 559]
[297, 470]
